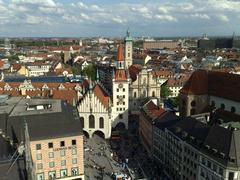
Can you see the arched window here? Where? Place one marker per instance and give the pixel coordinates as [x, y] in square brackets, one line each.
[233, 109]
[222, 106]
[193, 103]
[82, 121]
[91, 121]
[153, 94]
[101, 122]
[144, 93]
[135, 94]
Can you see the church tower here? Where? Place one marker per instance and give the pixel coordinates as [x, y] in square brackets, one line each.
[120, 91]
[128, 50]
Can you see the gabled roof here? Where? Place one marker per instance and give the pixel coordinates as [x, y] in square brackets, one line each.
[152, 110]
[101, 95]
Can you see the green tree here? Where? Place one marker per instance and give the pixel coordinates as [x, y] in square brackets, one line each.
[13, 58]
[90, 71]
[165, 92]
[62, 56]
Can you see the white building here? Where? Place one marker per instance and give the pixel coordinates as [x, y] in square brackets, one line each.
[100, 110]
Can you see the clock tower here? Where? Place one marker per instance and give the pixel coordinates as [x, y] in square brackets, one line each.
[120, 93]
[128, 50]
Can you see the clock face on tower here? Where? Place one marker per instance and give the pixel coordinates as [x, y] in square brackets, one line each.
[120, 85]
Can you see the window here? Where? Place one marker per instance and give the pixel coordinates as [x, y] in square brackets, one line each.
[74, 142]
[193, 103]
[209, 164]
[62, 152]
[50, 145]
[230, 175]
[117, 103]
[40, 176]
[39, 156]
[91, 121]
[233, 109]
[135, 94]
[74, 171]
[82, 121]
[63, 162]
[213, 103]
[123, 103]
[52, 175]
[51, 155]
[74, 151]
[153, 94]
[101, 122]
[221, 171]
[39, 166]
[63, 173]
[38, 146]
[117, 90]
[222, 106]
[74, 160]
[214, 167]
[62, 144]
[120, 116]
[128, 54]
[123, 89]
[51, 164]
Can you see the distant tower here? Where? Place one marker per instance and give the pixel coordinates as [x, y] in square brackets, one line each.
[80, 42]
[128, 50]
[120, 91]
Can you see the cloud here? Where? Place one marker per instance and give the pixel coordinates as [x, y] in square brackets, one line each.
[49, 3]
[119, 20]
[99, 16]
[166, 18]
[200, 16]
[223, 18]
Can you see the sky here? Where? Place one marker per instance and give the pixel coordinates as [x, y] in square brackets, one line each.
[111, 18]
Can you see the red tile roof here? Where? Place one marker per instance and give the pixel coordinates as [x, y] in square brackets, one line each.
[197, 83]
[1, 64]
[16, 66]
[162, 73]
[152, 110]
[218, 84]
[120, 75]
[120, 53]
[101, 95]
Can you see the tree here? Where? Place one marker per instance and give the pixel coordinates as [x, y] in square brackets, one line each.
[62, 56]
[13, 58]
[165, 91]
[90, 71]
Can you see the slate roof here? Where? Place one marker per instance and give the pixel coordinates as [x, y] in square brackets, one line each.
[220, 143]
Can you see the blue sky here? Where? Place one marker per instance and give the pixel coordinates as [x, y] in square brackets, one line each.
[81, 18]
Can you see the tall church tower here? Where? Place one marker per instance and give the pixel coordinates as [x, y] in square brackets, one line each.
[120, 91]
[128, 50]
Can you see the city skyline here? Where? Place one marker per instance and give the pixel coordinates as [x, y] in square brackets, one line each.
[61, 18]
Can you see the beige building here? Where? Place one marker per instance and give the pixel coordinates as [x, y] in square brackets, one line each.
[51, 134]
[161, 44]
[60, 157]
[145, 83]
